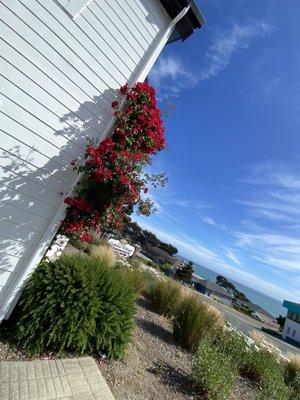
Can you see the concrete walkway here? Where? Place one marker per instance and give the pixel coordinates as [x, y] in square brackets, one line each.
[65, 379]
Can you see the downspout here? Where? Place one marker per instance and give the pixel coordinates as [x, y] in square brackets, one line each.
[156, 48]
[180, 15]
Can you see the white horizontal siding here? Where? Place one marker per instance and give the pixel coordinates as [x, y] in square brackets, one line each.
[58, 76]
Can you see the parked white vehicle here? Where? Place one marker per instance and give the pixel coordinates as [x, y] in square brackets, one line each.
[258, 317]
[123, 249]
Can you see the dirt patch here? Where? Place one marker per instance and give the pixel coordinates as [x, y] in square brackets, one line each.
[156, 368]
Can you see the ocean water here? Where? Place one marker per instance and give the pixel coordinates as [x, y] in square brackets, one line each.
[274, 306]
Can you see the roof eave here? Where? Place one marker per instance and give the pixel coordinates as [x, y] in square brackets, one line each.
[193, 19]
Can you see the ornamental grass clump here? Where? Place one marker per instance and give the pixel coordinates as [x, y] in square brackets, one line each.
[104, 253]
[194, 320]
[213, 371]
[76, 304]
[258, 337]
[164, 296]
[293, 365]
[141, 281]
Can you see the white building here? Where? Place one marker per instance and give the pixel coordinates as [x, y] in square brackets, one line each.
[62, 61]
[291, 330]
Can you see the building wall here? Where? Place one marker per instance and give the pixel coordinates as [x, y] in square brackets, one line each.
[200, 288]
[289, 328]
[59, 73]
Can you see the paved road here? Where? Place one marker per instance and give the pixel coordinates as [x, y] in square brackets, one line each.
[246, 324]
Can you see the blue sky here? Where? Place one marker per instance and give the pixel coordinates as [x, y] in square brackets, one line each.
[232, 202]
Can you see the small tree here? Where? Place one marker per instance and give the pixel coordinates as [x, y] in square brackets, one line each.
[185, 273]
[281, 321]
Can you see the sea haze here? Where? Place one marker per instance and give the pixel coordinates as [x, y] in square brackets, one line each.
[274, 306]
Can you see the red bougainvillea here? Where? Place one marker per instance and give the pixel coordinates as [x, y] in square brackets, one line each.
[113, 180]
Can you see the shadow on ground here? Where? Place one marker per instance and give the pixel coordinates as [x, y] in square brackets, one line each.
[177, 379]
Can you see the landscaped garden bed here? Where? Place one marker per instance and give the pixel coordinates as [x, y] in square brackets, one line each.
[152, 337]
[155, 367]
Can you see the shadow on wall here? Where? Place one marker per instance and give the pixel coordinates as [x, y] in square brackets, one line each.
[34, 182]
[35, 179]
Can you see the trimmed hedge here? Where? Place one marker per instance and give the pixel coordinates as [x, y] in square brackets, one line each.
[76, 304]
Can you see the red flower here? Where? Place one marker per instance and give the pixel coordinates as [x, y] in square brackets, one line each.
[113, 175]
[68, 200]
[126, 154]
[137, 156]
[107, 174]
[123, 180]
[105, 146]
[84, 237]
[124, 88]
[91, 150]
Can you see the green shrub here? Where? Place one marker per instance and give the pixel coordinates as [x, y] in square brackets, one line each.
[213, 371]
[275, 390]
[76, 304]
[164, 296]
[195, 320]
[295, 387]
[234, 345]
[258, 364]
[263, 367]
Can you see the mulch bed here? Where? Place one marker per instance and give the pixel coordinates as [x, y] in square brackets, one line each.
[156, 368]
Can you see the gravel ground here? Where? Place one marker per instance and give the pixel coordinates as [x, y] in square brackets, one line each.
[155, 368]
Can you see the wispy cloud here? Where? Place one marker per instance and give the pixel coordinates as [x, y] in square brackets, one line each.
[226, 43]
[279, 251]
[182, 203]
[276, 175]
[229, 253]
[273, 235]
[210, 221]
[170, 75]
[164, 198]
[199, 204]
